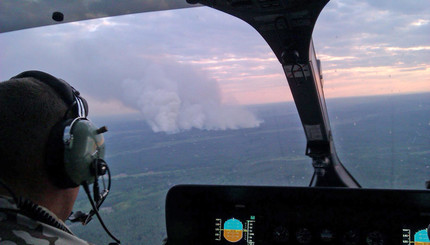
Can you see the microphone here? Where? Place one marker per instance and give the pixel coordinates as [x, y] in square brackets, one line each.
[100, 169]
[79, 217]
[95, 210]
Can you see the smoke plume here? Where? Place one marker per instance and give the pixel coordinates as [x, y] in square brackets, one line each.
[174, 97]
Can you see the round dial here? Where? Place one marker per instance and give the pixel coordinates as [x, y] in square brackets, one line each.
[375, 238]
[327, 235]
[304, 236]
[351, 237]
[281, 234]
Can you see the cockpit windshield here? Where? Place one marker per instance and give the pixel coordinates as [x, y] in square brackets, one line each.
[196, 96]
[376, 80]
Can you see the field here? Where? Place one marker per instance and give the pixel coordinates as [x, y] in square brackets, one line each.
[383, 141]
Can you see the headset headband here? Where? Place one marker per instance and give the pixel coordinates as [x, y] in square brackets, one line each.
[67, 93]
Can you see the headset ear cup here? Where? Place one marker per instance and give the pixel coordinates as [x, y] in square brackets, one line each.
[74, 148]
[54, 157]
[83, 152]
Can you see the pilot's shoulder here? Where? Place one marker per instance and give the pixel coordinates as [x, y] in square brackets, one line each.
[25, 233]
[18, 229]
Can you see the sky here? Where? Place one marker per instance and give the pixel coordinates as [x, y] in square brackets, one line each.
[184, 63]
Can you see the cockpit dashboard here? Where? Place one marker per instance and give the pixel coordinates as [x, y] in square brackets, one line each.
[245, 215]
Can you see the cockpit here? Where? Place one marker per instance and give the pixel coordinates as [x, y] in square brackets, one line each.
[245, 121]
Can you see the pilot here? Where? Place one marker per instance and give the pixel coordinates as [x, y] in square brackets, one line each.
[35, 197]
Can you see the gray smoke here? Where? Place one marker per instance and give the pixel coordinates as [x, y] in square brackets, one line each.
[173, 97]
[146, 69]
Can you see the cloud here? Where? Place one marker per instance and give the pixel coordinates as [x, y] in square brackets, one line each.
[416, 48]
[344, 26]
[366, 47]
[352, 38]
[141, 71]
[401, 6]
[420, 22]
[377, 80]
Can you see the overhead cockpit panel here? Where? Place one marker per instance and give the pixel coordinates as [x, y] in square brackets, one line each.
[286, 25]
[30, 13]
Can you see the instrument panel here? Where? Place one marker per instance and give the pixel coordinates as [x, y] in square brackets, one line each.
[246, 215]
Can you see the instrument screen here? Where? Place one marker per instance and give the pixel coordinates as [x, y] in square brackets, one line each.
[245, 215]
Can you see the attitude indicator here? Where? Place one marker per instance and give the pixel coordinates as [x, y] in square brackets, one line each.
[420, 237]
[233, 230]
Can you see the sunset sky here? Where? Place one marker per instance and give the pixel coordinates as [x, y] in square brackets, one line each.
[366, 48]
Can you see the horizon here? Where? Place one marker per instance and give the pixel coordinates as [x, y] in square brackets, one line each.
[137, 115]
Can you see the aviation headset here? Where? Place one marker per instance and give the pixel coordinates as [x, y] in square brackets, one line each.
[75, 148]
[74, 152]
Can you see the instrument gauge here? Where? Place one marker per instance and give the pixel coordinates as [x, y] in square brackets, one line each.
[304, 236]
[351, 237]
[281, 234]
[375, 238]
[327, 235]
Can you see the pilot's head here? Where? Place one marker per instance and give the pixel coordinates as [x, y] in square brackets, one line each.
[29, 109]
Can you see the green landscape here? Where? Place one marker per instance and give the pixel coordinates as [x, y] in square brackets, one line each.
[383, 141]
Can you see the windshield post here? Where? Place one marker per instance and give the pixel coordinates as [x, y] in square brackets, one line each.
[307, 88]
[288, 31]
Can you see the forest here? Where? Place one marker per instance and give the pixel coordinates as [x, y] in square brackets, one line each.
[383, 141]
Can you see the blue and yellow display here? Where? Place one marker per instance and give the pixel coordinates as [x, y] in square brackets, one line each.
[234, 230]
[420, 237]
